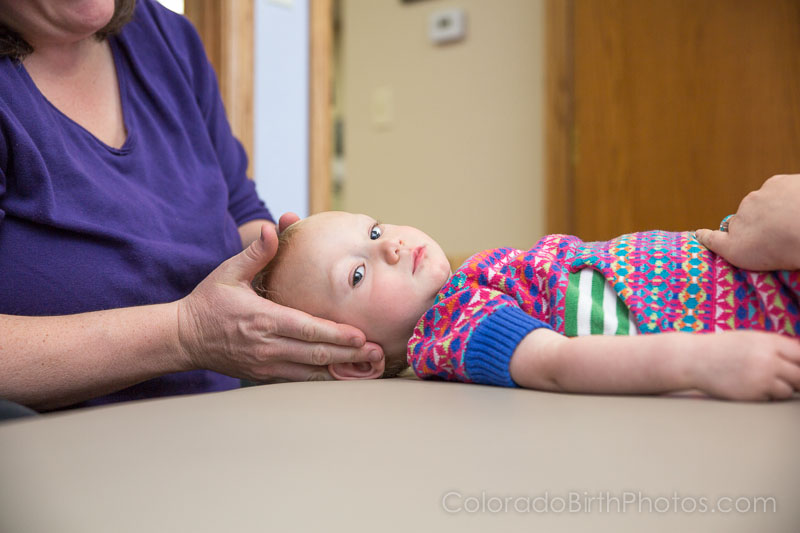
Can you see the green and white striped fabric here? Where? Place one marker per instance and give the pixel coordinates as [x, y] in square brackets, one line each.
[594, 308]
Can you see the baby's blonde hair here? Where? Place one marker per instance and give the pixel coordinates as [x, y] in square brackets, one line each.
[263, 282]
[264, 285]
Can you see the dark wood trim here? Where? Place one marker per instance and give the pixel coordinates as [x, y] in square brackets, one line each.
[559, 117]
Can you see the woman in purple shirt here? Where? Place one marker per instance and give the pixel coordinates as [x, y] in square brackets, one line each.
[124, 209]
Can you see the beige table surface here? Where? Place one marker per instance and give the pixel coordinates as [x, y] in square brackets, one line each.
[403, 455]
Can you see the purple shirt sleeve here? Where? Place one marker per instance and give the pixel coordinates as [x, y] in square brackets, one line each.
[180, 37]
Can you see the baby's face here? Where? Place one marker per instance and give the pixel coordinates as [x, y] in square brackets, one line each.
[379, 278]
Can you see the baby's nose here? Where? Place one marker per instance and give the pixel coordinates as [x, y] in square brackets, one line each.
[391, 250]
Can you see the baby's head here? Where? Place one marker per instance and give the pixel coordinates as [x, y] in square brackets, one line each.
[353, 270]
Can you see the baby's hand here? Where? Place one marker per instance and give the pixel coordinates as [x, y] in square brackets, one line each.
[747, 365]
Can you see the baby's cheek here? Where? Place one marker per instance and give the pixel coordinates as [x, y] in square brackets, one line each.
[385, 305]
[391, 308]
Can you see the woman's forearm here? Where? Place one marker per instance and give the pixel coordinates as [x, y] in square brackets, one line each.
[50, 362]
[646, 364]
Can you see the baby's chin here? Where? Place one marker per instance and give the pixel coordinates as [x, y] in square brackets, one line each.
[396, 339]
[395, 344]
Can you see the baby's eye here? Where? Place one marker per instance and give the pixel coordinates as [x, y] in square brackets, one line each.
[358, 275]
[375, 232]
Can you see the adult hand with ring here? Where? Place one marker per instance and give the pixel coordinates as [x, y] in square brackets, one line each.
[764, 234]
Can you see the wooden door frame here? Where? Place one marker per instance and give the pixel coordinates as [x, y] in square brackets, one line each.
[559, 117]
[226, 29]
[320, 129]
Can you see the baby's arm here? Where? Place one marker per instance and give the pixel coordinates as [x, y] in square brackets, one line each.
[736, 365]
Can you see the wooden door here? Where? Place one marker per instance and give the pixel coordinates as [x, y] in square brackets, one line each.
[671, 110]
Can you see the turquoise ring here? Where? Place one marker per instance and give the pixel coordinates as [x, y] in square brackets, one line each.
[723, 226]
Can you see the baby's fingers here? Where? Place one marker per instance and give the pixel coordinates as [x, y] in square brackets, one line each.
[790, 373]
[781, 390]
[789, 349]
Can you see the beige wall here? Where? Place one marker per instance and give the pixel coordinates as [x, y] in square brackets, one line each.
[457, 145]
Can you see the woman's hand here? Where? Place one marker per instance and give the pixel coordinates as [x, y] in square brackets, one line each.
[224, 326]
[746, 365]
[765, 233]
[286, 220]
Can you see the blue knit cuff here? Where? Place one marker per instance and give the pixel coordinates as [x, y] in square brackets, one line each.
[493, 343]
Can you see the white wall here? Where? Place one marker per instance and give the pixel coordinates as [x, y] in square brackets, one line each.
[281, 104]
[447, 138]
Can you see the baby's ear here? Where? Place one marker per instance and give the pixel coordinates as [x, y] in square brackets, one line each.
[365, 370]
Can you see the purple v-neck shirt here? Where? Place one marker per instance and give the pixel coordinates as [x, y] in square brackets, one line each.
[84, 226]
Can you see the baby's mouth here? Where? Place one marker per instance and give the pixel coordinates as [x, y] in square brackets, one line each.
[419, 253]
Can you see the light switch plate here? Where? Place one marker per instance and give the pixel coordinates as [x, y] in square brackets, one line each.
[447, 25]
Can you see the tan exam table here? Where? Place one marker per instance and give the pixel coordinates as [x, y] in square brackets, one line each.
[398, 455]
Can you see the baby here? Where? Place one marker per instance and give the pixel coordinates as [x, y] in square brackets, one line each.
[563, 316]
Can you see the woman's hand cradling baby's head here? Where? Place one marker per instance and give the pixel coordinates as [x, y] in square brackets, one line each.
[224, 326]
[351, 269]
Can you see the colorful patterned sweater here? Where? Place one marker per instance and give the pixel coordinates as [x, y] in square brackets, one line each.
[647, 282]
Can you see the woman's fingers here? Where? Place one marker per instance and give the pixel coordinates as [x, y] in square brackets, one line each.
[315, 341]
[293, 372]
[295, 324]
[719, 242]
[324, 354]
[302, 361]
[243, 267]
[286, 220]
